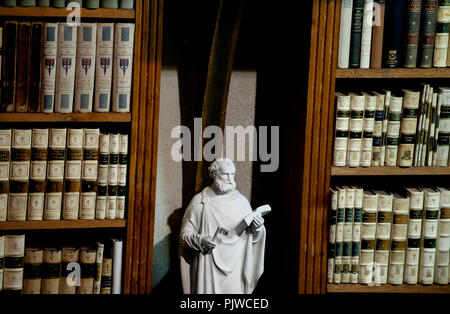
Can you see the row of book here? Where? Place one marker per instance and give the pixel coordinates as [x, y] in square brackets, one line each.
[89, 4]
[60, 270]
[54, 174]
[379, 237]
[57, 67]
[392, 34]
[403, 128]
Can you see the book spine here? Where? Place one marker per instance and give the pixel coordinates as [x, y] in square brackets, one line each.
[89, 173]
[366, 34]
[72, 178]
[123, 66]
[5, 161]
[444, 129]
[377, 34]
[8, 94]
[348, 232]
[122, 176]
[368, 229]
[104, 67]
[43, 3]
[432, 140]
[341, 134]
[357, 104]
[126, 4]
[9, 3]
[106, 280]
[58, 3]
[32, 270]
[442, 34]
[356, 33]
[22, 66]
[424, 143]
[14, 264]
[332, 235]
[443, 239]
[368, 126]
[98, 270]
[109, 4]
[383, 235]
[88, 269]
[27, 3]
[393, 130]
[412, 33]
[428, 33]
[92, 4]
[66, 283]
[408, 127]
[2, 260]
[65, 68]
[38, 173]
[19, 174]
[117, 267]
[35, 66]
[48, 70]
[385, 126]
[113, 167]
[356, 235]
[394, 40]
[85, 72]
[102, 177]
[55, 174]
[419, 131]
[340, 221]
[377, 130]
[51, 270]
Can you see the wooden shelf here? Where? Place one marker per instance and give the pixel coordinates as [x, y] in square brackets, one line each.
[44, 12]
[389, 171]
[65, 117]
[394, 73]
[358, 288]
[62, 224]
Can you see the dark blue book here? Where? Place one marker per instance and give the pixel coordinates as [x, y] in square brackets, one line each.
[356, 33]
[395, 22]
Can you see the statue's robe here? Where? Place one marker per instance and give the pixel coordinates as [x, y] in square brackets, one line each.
[233, 266]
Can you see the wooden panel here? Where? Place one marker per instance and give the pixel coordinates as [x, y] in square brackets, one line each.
[389, 171]
[352, 288]
[43, 12]
[65, 117]
[394, 73]
[62, 224]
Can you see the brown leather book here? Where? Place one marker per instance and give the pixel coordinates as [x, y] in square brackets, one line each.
[377, 36]
[35, 67]
[22, 63]
[9, 66]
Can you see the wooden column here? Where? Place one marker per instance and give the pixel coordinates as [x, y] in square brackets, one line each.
[144, 142]
[318, 149]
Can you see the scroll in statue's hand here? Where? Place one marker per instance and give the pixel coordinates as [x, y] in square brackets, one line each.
[207, 244]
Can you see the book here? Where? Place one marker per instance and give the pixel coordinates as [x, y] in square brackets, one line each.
[356, 33]
[414, 235]
[122, 176]
[72, 177]
[104, 67]
[340, 220]
[396, 14]
[341, 129]
[8, 94]
[19, 174]
[387, 102]
[427, 33]
[65, 68]
[442, 35]
[43, 3]
[366, 34]
[117, 266]
[55, 174]
[98, 270]
[399, 233]
[368, 126]
[377, 128]
[412, 33]
[32, 270]
[27, 3]
[377, 34]
[420, 124]
[88, 269]
[102, 176]
[2, 260]
[357, 104]
[113, 167]
[92, 4]
[36, 46]
[424, 141]
[332, 216]
[5, 157]
[69, 256]
[9, 3]
[85, 71]
[368, 236]
[51, 270]
[443, 239]
[89, 173]
[22, 66]
[58, 3]
[14, 264]
[109, 4]
[356, 234]
[408, 128]
[107, 267]
[48, 70]
[429, 235]
[348, 233]
[431, 144]
[444, 127]
[123, 66]
[393, 130]
[38, 174]
[126, 4]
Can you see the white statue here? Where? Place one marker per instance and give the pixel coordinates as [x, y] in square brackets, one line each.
[222, 239]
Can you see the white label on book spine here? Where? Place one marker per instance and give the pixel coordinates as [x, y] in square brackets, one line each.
[382, 257]
[12, 278]
[428, 256]
[111, 207]
[414, 228]
[38, 170]
[102, 177]
[53, 202]
[444, 227]
[87, 208]
[397, 257]
[112, 174]
[100, 209]
[91, 138]
[71, 205]
[104, 67]
[430, 228]
[441, 274]
[367, 256]
[443, 243]
[19, 170]
[74, 138]
[3, 206]
[120, 211]
[65, 68]
[36, 206]
[4, 171]
[399, 231]
[48, 66]
[55, 170]
[17, 206]
[396, 274]
[411, 274]
[383, 230]
[412, 256]
[426, 275]
[90, 170]
[73, 170]
[368, 230]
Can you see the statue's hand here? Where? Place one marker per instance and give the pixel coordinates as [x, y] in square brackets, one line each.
[257, 223]
[207, 244]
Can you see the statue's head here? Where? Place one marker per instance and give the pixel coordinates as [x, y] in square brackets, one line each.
[222, 170]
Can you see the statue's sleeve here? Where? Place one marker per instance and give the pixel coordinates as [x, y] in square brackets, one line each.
[190, 236]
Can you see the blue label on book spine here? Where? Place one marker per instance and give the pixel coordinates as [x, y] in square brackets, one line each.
[347, 249]
[358, 215]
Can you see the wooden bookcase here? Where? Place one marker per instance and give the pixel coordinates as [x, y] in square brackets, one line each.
[141, 123]
[318, 171]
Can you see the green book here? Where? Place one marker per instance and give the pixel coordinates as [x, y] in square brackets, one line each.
[58, 3]
[43, 3]
[126, 4]
[80, 2]
[9, 3]
[92, 4]
[110, 4]
[27, 3]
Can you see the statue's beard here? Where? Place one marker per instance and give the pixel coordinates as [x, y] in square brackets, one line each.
[224, 185]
